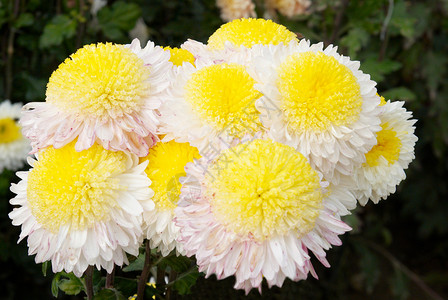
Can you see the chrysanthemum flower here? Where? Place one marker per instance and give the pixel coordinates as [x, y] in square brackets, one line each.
[255, 211]
[236, 9]
[179, 56]
[318, 102]
[166, 165]
[14, 147]
[249, 32]
[103, 93]
[289, 8]
[383, 170]
[210, 102]
[239, 36]
[82, 208]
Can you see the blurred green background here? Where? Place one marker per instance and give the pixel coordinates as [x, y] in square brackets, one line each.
[398, 248]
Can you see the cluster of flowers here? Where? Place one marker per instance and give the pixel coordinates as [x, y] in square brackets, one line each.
[243, 152]
[236, 9]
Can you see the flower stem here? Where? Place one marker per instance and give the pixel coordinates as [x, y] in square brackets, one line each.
[160, 281]
[145, 273]
[89, 282]
[172, 278]
[110, 279]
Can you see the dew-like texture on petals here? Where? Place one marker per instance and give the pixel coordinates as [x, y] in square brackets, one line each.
[74, 188]
[102, 80]
[166, 165]
[317, 92]
[178, 56]
[388, 146]
[262, 188]
[249, 32]
[9, 130]
[224, 95]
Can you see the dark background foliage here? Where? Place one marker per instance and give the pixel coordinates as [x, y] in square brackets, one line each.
[398, 248]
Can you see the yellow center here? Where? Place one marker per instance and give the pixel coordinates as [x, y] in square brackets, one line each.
[9, 131]
[166, 165]
[317, 92]
[262, 188]
[224, 96]
[101, 81]
[179, 56]
[249, 32]
[388, 146]
[382, 100]
[74, 188]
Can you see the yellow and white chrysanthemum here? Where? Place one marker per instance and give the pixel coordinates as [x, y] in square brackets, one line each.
[103, 93]
[166, 163]
[255, 211]
[383, 170]
[179, 56]
[14, 147]
[82, 208]
[249, 32]
[236, 9]
[318, 102]
[238, 36]
[210, 101]
[289, 8]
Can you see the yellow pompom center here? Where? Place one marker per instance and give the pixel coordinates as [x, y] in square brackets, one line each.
[166, 165]
[262, 188]
[224, 96]
[317, 92]
[249, 32]
[102, 81]
[178, 56]
[388, 146]
[78, 189]
[9, 131]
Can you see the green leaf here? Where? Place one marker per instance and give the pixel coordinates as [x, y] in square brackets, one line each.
[353, 221]
[402, 20]
[3, 16]
[109, 294]
[61, 27]
[25, 19]
[399, 285]
[118, 19]
[136, 265]
[45, 268]
[54, 285]
[71, 286]
[399, 93]
[434, 69]
[378, 69]
[127, 286]
[355, 39]
[177, 263]
[185, 281]
[369, 268]
[34, 87]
